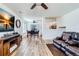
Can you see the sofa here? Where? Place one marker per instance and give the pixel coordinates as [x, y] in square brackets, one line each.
[68, 43]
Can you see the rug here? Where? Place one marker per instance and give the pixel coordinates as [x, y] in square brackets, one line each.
[54, 50]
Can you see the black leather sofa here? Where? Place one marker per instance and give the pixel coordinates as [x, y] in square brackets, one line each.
[68, 43]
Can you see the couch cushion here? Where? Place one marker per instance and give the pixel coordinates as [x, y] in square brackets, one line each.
[73, 50]
[70, 42]
[58, 41]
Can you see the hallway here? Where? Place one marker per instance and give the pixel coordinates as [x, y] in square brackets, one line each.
[33, 47]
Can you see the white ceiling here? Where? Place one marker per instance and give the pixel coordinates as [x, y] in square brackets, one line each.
[54, 9]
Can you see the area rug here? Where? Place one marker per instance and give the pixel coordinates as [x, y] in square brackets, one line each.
[54, 50]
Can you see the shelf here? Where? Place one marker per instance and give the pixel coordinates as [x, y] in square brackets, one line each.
[12, 43]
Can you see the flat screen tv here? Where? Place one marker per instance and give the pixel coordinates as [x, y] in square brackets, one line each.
[6, 21]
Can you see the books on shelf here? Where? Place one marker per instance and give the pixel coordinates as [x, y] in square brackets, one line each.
[13, 48]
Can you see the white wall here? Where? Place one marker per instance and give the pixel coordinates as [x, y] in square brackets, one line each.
[16, 17]
[71, 21]
[25, 24]
[48, 33]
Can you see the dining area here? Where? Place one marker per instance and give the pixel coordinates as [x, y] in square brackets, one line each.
[34, 30]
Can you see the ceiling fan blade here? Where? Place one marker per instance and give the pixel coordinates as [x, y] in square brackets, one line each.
[44, 6]
[33, 6]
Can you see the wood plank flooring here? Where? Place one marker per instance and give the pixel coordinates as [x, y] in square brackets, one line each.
[32, 47]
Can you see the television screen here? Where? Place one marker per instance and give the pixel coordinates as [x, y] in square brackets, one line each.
[6, 21]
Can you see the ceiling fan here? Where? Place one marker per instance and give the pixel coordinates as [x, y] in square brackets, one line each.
[37, 4]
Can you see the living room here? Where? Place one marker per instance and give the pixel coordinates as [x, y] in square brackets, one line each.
[57, 25]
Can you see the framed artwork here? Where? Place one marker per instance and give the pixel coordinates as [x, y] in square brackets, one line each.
[53, 25]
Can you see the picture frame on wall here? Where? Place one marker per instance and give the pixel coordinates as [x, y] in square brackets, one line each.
[53, 25]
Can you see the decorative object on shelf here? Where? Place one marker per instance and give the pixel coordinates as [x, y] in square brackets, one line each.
[18, 23]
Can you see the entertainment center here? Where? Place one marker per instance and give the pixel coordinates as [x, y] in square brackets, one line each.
[9, 43]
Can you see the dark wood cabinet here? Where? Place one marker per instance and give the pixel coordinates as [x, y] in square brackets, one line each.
[9, 44]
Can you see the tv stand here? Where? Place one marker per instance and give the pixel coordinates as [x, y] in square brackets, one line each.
[9, 44]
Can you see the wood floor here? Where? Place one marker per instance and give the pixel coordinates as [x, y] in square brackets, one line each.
[32, 47]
